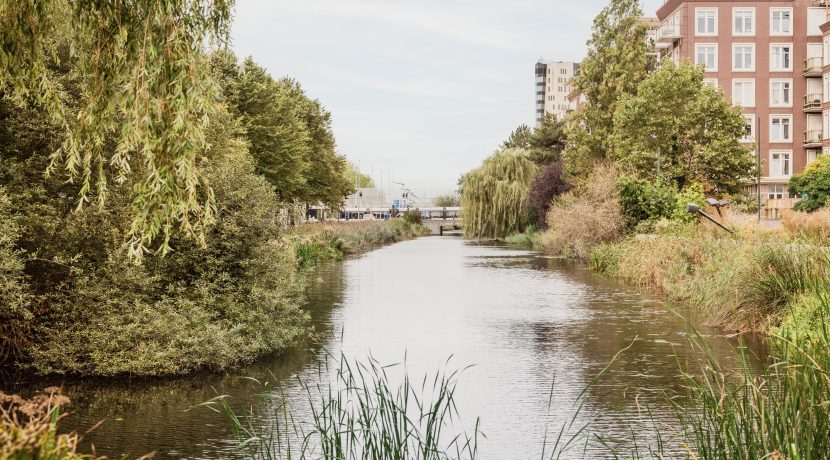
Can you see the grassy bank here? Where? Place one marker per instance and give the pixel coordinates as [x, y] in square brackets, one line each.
[313, 243]
[763, 280]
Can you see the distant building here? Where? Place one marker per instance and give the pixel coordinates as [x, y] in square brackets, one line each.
[553, 88]
[771, 59]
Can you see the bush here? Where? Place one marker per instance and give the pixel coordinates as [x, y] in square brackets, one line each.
[14, 295]
[814, 225]
[814, 182]
[645, 201]
[548, 185]
[691, 194]
[585, 216]
[412, 217]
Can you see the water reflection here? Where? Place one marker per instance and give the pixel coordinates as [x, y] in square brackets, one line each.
[520, 318]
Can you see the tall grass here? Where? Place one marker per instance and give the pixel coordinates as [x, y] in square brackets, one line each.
[362, 414]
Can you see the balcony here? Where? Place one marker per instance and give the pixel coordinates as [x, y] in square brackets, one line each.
[812, 103]
[668, 33]
[813, 138]
[813, 66]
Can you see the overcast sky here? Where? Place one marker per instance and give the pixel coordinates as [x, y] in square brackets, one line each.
[424, 88]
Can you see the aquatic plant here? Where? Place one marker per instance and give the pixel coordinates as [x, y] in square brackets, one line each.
[361, 414]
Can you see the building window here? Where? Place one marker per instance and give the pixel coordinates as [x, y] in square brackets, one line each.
[781, 57]
[815, 18]
[743, 21]
[776, 191]
[781, 128]
[781, 95]
[743, 92]
[781, 21]
[708, 56]
[749, 129]
[713, 82]
[826, 125]
[707, 21]
[779, 164]
[743, 57]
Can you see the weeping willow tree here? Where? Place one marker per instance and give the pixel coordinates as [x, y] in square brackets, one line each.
[494, 196]
[146, 99]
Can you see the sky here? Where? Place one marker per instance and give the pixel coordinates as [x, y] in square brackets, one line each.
[419, 90]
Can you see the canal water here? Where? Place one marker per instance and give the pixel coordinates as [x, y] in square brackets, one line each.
[526, 323]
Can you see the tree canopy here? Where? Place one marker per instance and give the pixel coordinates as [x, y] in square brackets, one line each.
[146, 99]
[676, 128]
[814, 182]
[494, 195]
[615, 64]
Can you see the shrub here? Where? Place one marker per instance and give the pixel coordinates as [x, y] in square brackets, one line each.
[645, 201]
[548, 185]
[585, 216]
[412, 217]
[14, 295]
[691, 194]
[814, 225]
[814, 182]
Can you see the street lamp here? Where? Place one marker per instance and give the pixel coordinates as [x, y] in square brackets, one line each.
[693, 208]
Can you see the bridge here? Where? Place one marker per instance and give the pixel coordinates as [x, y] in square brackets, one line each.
[443, 226]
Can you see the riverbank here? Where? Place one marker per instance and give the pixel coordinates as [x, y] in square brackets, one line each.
[136, 321]
[761, 279]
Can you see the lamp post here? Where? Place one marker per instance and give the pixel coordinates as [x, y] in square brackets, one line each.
[693, 208]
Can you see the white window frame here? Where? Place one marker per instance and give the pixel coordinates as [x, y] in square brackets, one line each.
[772, 67]
[750, 117]
[735, 46]
[825, 124]
[772, 12]
[772, 130]
[713, 82]
[771, 194]
[780, 171]
[707, 45]
[825, 78]
[698, 11]
[810, 10]
[772, 83]
[743, 9]
[735, 82]
[825, 55]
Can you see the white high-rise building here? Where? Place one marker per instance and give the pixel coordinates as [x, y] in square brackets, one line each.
[553, 88]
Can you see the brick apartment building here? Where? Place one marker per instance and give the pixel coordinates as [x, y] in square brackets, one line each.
[772, 58]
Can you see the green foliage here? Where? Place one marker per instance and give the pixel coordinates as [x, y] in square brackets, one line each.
[412, 217]
[361, 414]
[645, 201]
[677, 129]
[615, 64]
[547, 141]
[815, 183]
[14, 295]
[519, 138]
[358, 179]
[494, 196]
[145, 100]
[290, 135]
[447, 201]
[691, 194]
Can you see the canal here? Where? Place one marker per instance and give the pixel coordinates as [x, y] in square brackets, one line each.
[523, 321]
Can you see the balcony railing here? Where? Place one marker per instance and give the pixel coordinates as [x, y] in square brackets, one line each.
[668, 33]
[813, 137]
[813, 66]
[812, 103]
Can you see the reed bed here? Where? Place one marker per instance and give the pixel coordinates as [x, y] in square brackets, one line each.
[361, 414]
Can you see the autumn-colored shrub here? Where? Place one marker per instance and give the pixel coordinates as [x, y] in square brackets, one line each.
[585, 216]
[812, 225]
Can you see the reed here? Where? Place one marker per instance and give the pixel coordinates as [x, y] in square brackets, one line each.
[361, 414]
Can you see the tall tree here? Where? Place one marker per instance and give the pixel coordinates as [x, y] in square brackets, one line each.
[678, 129]
[548, 140]
[547, 185]
[358, 179]
[140, 70]
[615, 64]
[494, 195]
[519, 138]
